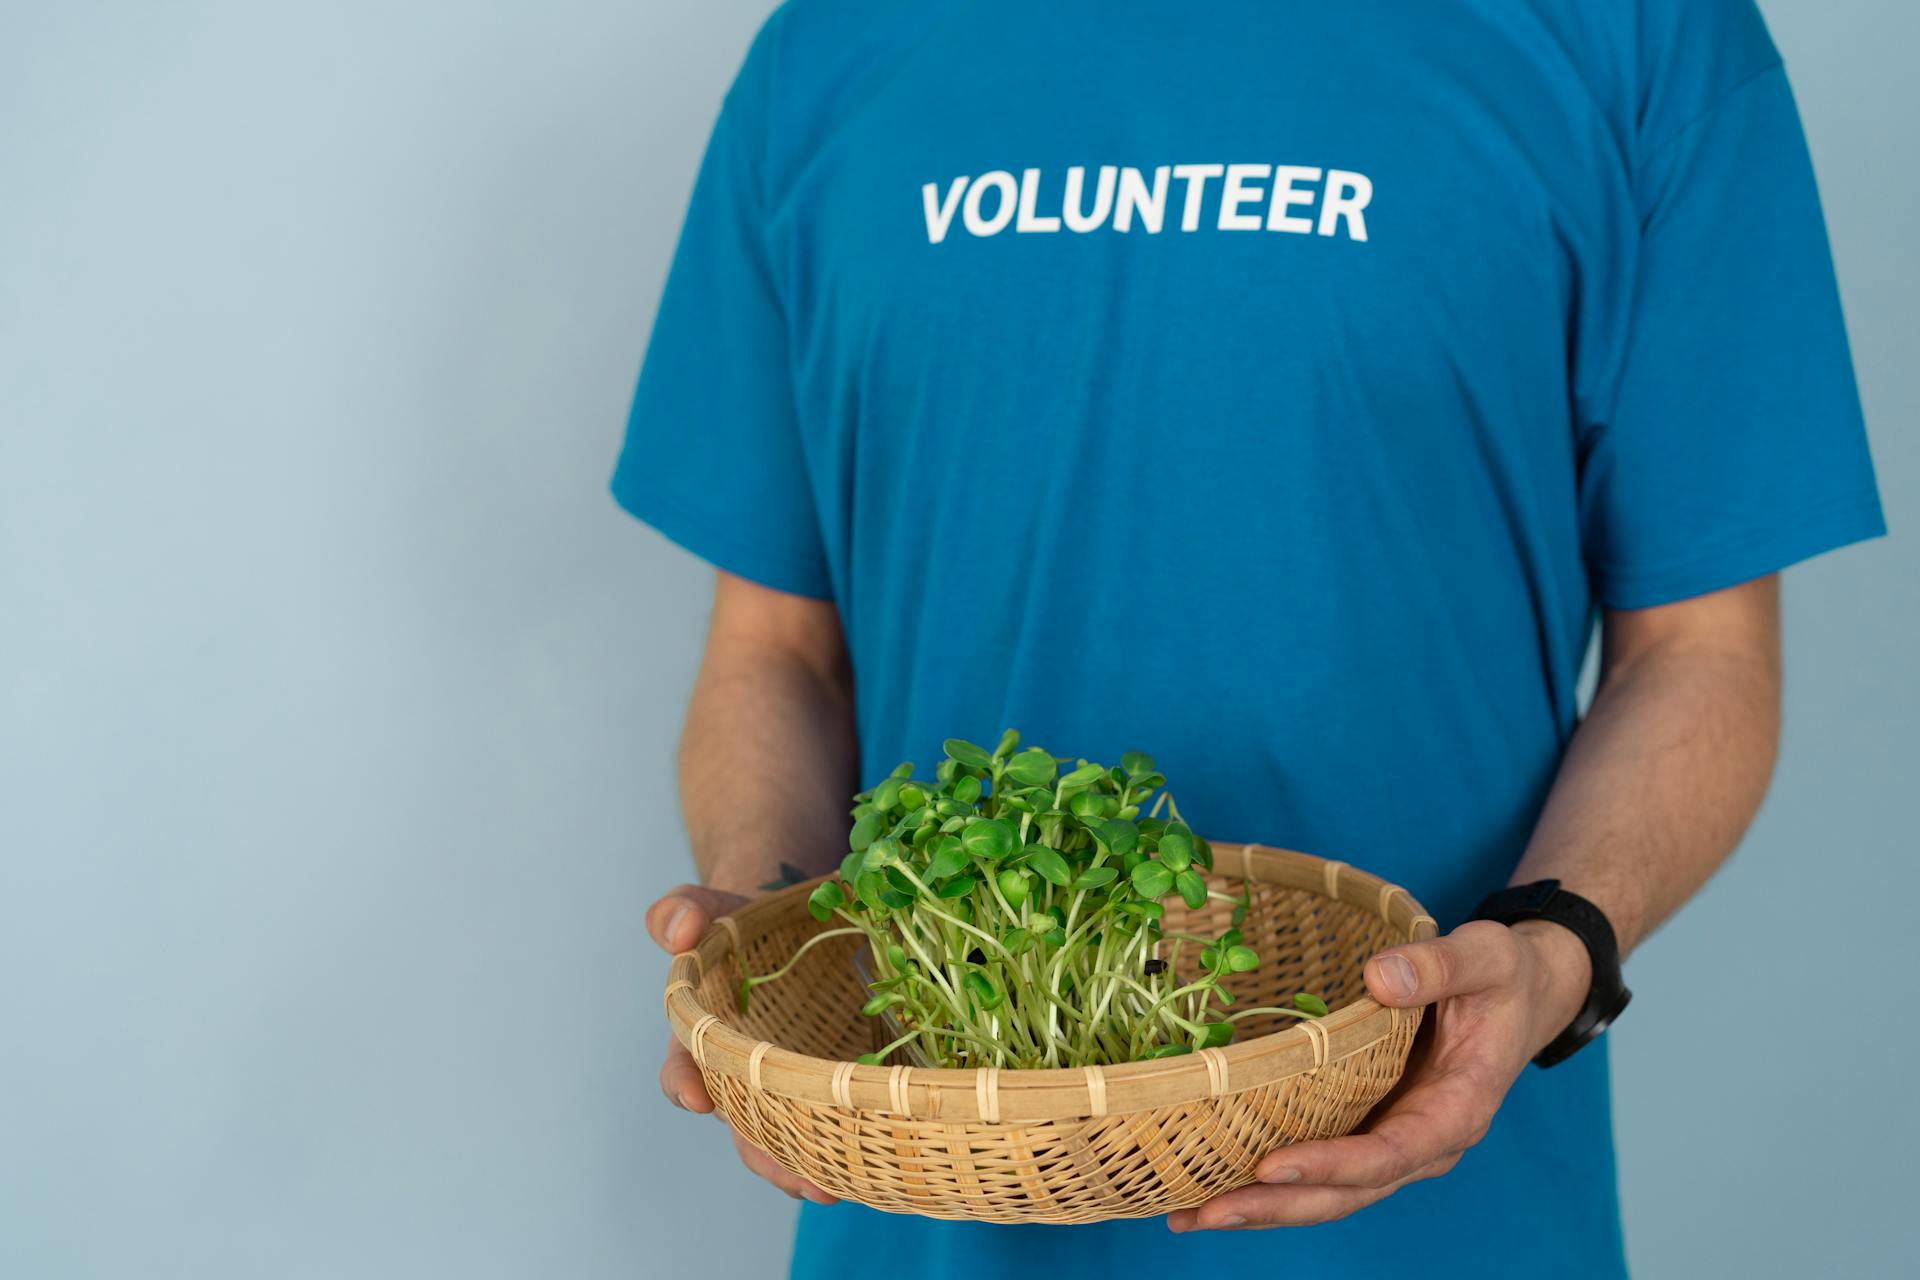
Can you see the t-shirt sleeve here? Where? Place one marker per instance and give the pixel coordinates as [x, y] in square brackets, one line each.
[1734, 443]
[713, 456]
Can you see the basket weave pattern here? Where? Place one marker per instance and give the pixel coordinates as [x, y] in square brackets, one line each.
[1066, 1145]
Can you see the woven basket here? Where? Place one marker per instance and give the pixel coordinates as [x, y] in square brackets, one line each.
[1066, 1145]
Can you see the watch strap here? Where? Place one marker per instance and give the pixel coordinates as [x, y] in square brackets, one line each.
[1607, 995]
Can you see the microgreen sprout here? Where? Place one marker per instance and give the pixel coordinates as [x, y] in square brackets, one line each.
[1013, 908]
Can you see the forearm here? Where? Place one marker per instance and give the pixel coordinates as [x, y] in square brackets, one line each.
[768, 763]
[1661, 780]
[1655, 789]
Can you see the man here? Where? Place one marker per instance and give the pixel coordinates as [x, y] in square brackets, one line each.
[1281, 389]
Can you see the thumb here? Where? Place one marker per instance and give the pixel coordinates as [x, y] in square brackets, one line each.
[678, 919]
[1478, 955]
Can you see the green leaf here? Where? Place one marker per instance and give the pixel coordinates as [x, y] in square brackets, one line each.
[864, 832]
[901, 884]
[1167, 1051]
[896, 956]
[961, 909]
[1216, 1034]
[882, 1001]
[1176, 851]
[949, 856]
[1008, 741]
[1032, 768]
[1013, 885]
[1049, 864]
[1091, 806]
[1193, 890]
[1232, 938]
[967, 790]
[985, 994]
[868, 1059]
[958, 887]
[1094, 877]
[1151, 910]
[870, 885]
[989, 838]
[1085, 773]
[912, 797]
[1210, 957]
[887, 795]
[967, 753]
[1049, 826]
[1307, 1002]
[1016, 940]
[1242, 959]
[1055, 937]
[851, 866]
[902, 770]
[1137, 764]
[1150, 782]
[1203, 854]
[824, 899]
[1152, 880]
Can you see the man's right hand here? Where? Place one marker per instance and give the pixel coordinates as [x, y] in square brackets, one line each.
[676, 923]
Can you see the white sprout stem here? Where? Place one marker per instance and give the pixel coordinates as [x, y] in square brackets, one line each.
[805, 947]
[1291, 1013]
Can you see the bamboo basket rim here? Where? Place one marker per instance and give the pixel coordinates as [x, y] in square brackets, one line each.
[1005, 1095]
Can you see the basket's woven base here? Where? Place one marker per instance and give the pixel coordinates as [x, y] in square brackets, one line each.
[1137, 1164]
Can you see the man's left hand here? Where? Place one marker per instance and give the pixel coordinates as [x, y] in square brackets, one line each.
[1499, 996]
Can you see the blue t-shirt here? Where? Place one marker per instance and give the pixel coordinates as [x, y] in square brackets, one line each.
[1279, 389]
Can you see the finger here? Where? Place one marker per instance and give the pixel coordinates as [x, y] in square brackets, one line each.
[680, 1080]
[678, 919]
[1259, 1206]
[1254, 1207]
[1439, 1118]
[1475, 957]
[778, 1174]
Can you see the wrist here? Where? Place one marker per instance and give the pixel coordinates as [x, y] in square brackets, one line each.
[753, 877]
[1561, 974]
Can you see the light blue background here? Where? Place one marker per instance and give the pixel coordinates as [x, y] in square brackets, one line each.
[337, 702]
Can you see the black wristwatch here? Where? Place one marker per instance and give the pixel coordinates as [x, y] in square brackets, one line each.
[1546, 900]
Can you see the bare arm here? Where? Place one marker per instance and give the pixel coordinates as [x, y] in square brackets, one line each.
[1672, 760]
[768, 763]
[768, 760]
[1658, 785]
